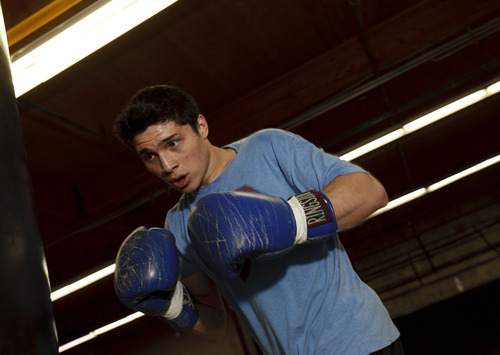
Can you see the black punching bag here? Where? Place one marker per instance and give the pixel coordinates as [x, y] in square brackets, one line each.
[26, 318]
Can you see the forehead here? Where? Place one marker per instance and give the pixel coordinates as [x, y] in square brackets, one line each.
[157, 133]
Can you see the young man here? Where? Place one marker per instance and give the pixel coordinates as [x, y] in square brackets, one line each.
[236, 229]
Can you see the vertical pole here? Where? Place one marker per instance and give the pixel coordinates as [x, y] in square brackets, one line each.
[26, 317]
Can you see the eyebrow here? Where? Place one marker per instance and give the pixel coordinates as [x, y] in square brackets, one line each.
[162, 142]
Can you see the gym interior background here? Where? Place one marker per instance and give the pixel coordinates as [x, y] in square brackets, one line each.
[338, 72]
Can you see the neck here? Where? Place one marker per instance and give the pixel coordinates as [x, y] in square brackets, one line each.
[219, 159]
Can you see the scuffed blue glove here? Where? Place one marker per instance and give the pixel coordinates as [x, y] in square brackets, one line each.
[147, 278]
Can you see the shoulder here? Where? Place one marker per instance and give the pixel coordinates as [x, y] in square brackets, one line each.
[265, 138]
[273, 133]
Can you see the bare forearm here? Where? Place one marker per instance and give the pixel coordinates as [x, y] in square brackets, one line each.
[212, 319]
[354, 197]
[211, 325]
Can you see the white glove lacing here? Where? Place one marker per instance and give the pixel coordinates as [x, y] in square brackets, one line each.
[176, 302]
[300, 220]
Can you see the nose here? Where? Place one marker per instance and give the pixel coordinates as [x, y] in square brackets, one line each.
[167, 163]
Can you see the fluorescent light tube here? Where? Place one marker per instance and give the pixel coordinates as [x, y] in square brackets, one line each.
[90, 30]
[375, 144]
[96, 276]
[401, 201]
[493, 89]
[424, 121]
[462, 174]
[445, 111]
[76, 342]
[102, 330]
[118, 323]
[438, 185]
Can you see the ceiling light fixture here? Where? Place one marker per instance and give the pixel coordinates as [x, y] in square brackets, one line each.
[83, 34]
[84, 282]
[93, 334]
[424, 121]
[438, 185]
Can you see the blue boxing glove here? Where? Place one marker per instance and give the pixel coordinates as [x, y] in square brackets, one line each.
[228, 228]
[147, 278]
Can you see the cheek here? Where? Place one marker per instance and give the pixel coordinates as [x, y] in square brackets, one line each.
[201, 158]
[194, 158]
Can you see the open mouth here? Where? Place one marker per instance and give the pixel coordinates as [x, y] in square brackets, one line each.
[181, 182]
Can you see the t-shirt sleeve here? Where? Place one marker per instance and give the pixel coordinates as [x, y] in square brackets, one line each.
[305, 165]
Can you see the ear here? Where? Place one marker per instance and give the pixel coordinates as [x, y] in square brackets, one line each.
[202, 126]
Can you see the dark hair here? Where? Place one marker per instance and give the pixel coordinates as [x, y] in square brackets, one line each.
[153, 105]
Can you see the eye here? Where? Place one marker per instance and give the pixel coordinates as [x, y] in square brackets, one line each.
[174, 143]
[148, 157]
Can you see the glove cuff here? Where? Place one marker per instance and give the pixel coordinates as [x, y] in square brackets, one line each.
[314, 216]
[181, 313]
[300, 220]
[176, 302]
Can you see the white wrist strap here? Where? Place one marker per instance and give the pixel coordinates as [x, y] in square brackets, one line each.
[300, 220]
[176, 302]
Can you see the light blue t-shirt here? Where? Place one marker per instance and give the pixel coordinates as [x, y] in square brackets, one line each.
[309, 301]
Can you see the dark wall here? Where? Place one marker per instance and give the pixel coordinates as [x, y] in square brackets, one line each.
[466, 324]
